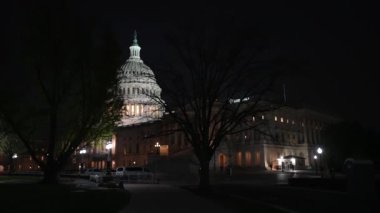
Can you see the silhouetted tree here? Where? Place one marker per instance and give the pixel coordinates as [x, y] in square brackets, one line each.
[215, 84]
[67, 94]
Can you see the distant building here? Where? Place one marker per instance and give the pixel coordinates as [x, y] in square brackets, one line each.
[287, 139]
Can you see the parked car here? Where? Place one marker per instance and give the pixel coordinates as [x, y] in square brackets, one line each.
[134, 174]
[94, 174]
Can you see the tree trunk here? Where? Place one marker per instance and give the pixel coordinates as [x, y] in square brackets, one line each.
[204, 178]
[51, 175]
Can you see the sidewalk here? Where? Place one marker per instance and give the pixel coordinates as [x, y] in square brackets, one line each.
[147, 198]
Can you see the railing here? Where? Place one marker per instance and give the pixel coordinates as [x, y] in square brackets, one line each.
[137, 178]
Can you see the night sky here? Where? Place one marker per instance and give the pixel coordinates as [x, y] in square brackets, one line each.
[335, 45]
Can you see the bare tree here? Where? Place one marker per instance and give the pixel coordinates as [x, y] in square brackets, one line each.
[214, 86]
[71, 96]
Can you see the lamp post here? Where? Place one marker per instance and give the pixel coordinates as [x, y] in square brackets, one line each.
[157, 146]
[82, 152]
[315, 164]
[109, 148]
[14, 157]
[320, 151]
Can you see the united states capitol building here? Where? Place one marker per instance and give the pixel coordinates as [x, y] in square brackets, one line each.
[289, 137]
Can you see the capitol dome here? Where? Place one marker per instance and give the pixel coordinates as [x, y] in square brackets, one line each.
[139, 89]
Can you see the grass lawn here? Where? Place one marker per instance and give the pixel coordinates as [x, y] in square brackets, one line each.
[17, 178]
[35, 197]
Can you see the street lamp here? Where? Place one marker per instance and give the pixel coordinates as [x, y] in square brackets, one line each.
[109, 148]
[157, 145]
[82, 152]
[320, 151]
[14, 157]
[315, 164]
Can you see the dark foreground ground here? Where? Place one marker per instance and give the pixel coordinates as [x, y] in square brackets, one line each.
[253, 192]
[249, 198]
[271, 192]
[25, 194]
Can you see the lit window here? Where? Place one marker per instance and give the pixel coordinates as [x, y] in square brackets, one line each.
[275, 118]
[287, 121]
[262, 117]
[293, 122]
[302, 124]
[253, 118]
[282, 119]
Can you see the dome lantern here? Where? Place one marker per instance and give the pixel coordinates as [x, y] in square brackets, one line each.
[135, 48]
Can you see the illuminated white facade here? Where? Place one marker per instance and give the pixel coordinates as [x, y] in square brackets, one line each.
[140, 89]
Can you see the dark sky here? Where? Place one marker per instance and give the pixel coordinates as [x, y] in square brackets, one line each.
[336, 44]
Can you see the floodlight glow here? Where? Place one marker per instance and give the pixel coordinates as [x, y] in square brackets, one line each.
[109, 146]
[315, 157]
[319, 150]
[293, 160]
[280, 160]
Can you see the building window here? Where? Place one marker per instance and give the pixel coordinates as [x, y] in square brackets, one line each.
[262, 117]
[253, 118]
[137, 110]
[282, 120]
[248, 160]
[238, 158]
[293, 122]
[275, 118]
[287, 121]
